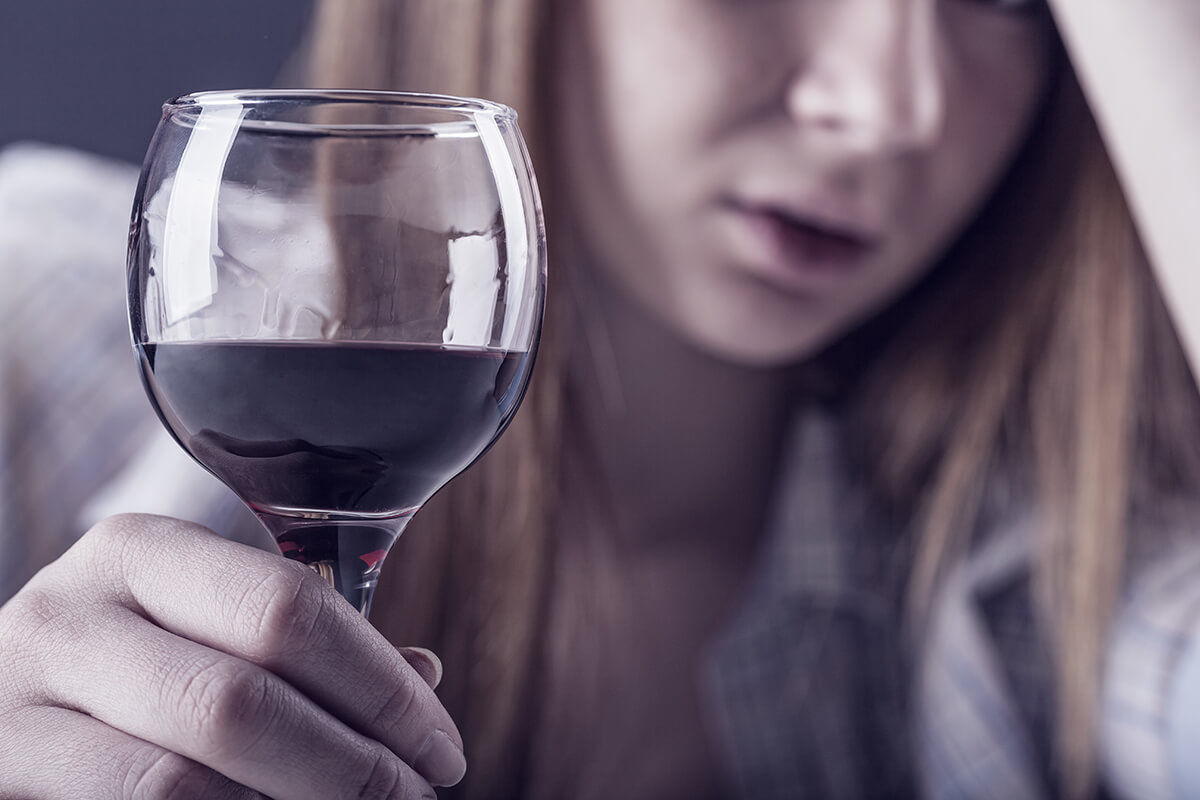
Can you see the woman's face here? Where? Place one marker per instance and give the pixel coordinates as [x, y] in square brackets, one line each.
[764, 174]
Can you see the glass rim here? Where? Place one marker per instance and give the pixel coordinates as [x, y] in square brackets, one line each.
[466, 107]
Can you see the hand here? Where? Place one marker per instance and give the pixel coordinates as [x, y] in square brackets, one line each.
[156, 660]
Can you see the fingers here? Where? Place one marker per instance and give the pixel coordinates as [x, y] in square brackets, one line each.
[233, 717]
[425, 662]
[56, 753]
[279, 615]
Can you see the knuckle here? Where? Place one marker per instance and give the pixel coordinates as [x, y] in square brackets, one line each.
[33, 621]
[103, 550]
[32, 607]
[154, 774]
[121, 539]
[228, 706]
[112, 534]
[384, 777]
[398, 707]
[283, 613]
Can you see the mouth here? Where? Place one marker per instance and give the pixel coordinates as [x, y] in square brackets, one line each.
[796, 246]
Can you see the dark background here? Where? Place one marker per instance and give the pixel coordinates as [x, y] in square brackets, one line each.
[92, 74]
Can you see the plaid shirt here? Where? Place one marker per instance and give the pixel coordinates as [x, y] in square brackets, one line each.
[811, 694]
[78, 440]
[815, 697]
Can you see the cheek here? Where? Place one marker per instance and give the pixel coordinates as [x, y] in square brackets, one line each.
[664, 79]
[992, 92]
[993, 88]
[675, 76]
[643, 98]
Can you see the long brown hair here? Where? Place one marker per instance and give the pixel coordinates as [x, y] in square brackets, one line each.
[1039, 353]
[1040, 358]
[470, 577]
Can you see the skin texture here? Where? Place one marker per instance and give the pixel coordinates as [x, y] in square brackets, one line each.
[893, 119]
[128, 673]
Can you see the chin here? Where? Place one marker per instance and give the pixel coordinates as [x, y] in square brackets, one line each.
[757, 345]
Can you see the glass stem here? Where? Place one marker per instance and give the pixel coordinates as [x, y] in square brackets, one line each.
[347, 553]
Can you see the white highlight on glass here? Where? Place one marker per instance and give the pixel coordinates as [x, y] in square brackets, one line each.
[512, 208]
[189, 286]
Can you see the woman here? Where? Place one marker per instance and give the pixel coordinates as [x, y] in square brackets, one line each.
[858, 420]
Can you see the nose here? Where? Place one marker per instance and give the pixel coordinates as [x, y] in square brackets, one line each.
[870, 76]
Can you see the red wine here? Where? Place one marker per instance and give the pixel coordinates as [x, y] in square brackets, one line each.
[347, 428]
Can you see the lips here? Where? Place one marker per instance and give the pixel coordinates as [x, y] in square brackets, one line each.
[796, 248]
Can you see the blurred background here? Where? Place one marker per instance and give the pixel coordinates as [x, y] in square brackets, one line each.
[91, 74]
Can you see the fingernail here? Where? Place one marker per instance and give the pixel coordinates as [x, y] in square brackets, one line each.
[440, 760]
[425, 662]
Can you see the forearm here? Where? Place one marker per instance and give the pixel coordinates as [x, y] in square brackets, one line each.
[1139, 63]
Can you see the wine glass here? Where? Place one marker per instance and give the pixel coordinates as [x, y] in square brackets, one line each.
[335, 299]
